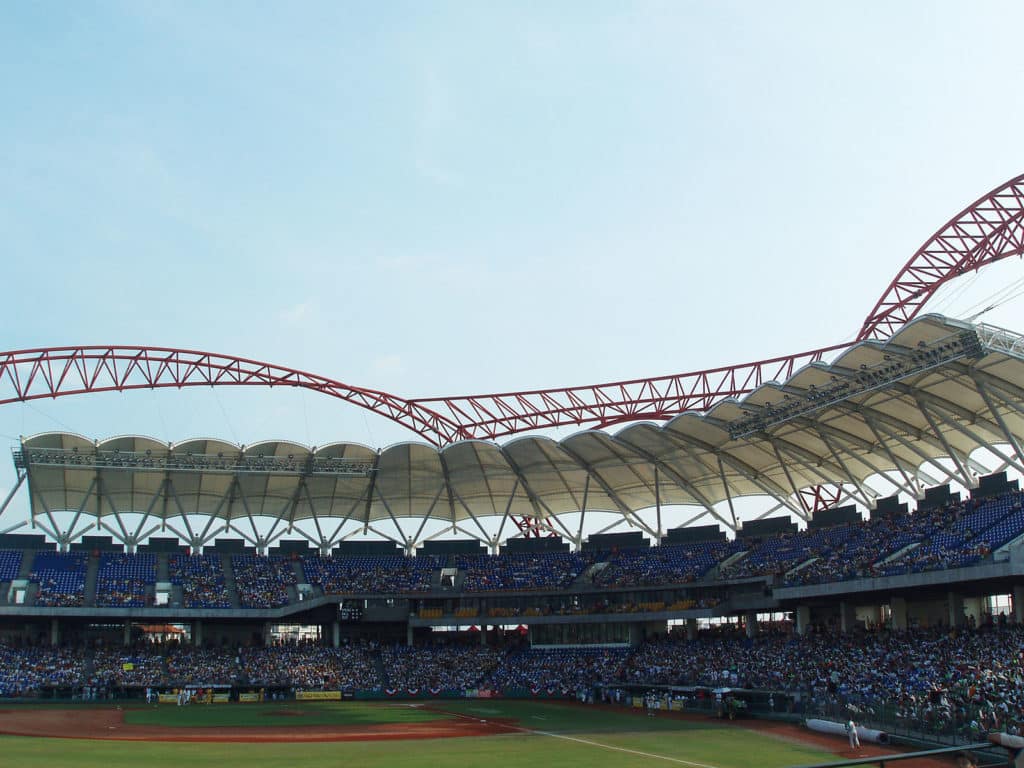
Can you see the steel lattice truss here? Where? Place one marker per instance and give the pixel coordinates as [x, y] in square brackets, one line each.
[990, 229]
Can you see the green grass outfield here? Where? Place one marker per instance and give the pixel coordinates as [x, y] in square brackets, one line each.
[554, 735]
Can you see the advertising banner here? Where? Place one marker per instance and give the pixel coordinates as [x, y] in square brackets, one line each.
[318, 696]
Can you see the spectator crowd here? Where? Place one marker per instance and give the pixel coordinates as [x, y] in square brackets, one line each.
[970, 680]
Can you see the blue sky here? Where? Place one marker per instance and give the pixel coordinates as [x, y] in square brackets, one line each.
[445, 198]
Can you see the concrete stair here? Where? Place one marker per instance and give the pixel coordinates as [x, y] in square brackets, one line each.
[92, 570]
[229, 581]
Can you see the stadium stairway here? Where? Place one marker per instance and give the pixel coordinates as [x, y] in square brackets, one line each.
[229, 581]
[23, 573]
[378, 664]
[163, 572]
[800, 566]
[92, 570]
[899, 553]
[1004, 551]
[460, 579]
[716, 572]
[88, 662]
[300, 578]
[590, 573]
[26, 563]
[435, 576]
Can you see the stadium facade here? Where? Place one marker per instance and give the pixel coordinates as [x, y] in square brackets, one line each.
[930, 403]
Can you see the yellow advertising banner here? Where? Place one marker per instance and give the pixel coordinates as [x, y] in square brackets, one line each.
[318, 696]
[220, 698]
[168, 698]
[248, 698]
[638, 702]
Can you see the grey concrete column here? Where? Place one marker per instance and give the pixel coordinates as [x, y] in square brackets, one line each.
[955, 601]
[1018, 604]
[803, 619]
[54, 631]
[127, 633]
[197, 633]
[898, 605]
[847, 617]
[691, 629]
[750, 622]
[483, 634]
[408, 635]
[335, 635]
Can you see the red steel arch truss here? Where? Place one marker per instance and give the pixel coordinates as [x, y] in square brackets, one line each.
[990, 229]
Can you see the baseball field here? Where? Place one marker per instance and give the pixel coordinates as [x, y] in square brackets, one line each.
[434, 734]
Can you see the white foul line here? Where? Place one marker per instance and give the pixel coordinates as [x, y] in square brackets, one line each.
[617, 749]
[588, 742]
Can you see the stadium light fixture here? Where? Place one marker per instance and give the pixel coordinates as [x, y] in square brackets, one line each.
[867, 379]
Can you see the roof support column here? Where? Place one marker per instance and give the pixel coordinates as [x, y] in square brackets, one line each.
[62, 541]
[583, 511]
[867, 498]
[486, 539]
[137, 534]
[194, 542]
[310, 538]
[623, 507]
[248, 513]
[7, 500]
[322, 544]
[400, 542]
[123, 537]
[369, 492]
[924, 457]
[696, 457]
[966, 476]
[858, 446]
[657, 502]
[987, 444]
[802, 461]
[414, 542]
[508, 509]
[1007, 432]
[769, 487]
[270, 538]
[728, 493]
[85, 500]
[337, 531]
[912, 486]
[391, 514]
[558, 522]
[230, 526]
[789, 478]
[677, 478]
[16, 526]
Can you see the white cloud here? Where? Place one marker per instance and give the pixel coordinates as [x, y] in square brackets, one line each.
[435, 118]
[298, 314]
[388, 365]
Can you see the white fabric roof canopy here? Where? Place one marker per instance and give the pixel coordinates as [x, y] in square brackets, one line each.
[938, 389]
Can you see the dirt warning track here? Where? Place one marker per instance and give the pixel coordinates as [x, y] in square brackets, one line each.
[109, 724]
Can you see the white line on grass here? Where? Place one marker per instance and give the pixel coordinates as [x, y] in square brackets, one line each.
[614, 748]
[588, 742]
